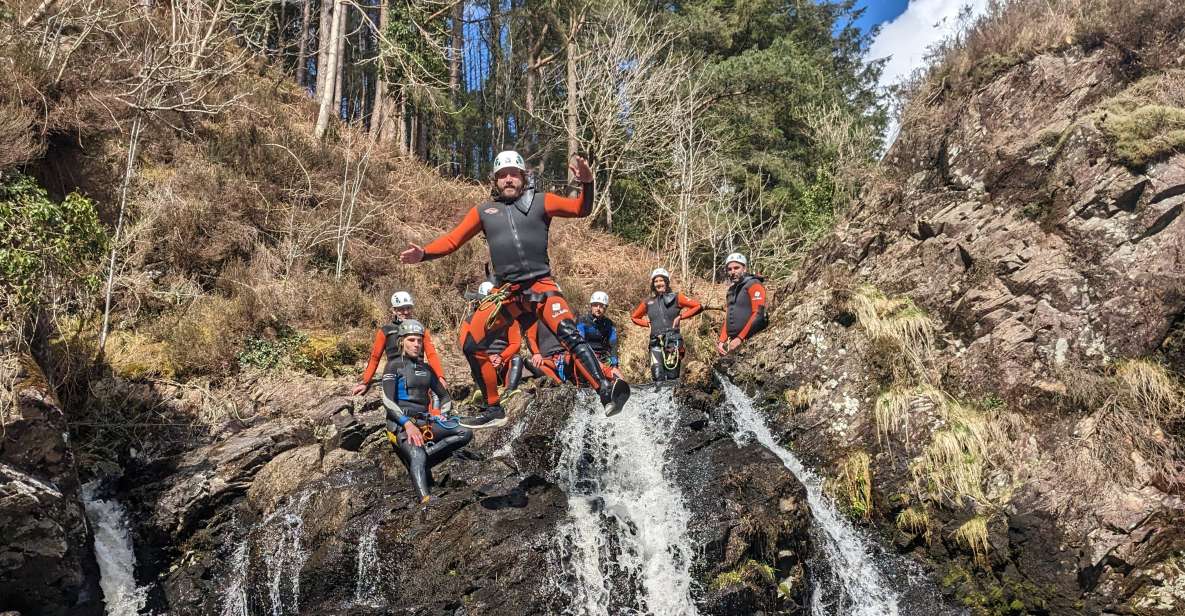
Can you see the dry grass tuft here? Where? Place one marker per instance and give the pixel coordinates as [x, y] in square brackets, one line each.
[1134, 432]
[973, 535]
[855, 483]
[894, 408]
[915, 521]
[952, 467]
[897, 328]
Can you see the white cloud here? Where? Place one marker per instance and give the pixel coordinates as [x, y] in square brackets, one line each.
[905, 40]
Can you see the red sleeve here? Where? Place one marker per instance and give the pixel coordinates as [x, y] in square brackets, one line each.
[756, 300]
[639, 315]
[690, 307]
[570, 207]
[376, 351]
[533, 338]
[514, 341]
[451, 241]
[724, 327]
[432, 356]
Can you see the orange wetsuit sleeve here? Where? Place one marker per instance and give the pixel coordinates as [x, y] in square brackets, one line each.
[756, 301]
[690, 307]
[724, 328]
[514, 341]
[376, 351]
[638, 316]
[451, 241]
[570, 207]
[432, 356]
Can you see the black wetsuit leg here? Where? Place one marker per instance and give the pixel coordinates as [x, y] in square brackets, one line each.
[414, 458]
[419, 460]
[656, 367]
[445, 441]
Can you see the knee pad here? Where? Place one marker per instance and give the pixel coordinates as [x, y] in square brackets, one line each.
[569, 334]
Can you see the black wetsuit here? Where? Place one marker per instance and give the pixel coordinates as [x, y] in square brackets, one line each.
[407, 387]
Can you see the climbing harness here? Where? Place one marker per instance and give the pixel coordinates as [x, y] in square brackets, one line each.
[496, 298]
[670, 350]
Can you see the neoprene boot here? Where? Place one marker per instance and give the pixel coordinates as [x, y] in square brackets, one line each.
[515, 377]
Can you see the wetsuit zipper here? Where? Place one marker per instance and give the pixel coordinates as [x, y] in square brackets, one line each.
[518, 245]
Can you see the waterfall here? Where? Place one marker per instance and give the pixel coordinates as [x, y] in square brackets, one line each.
[855, 585]
[113, 551]
[624, 547]
[283, 554]
[369, 570]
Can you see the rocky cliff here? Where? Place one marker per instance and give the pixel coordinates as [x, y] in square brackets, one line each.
[993, 337]
[46, 563]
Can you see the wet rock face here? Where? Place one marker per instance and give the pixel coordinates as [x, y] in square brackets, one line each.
[281, 516]
[46, 566]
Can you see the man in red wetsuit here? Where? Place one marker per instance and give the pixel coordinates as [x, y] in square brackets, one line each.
[745, 305]
[516, 224]
[386, 341]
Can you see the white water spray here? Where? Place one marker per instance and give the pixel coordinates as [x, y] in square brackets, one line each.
[856, 587]
[369, 570]
[235, 601]
[284, 555]
[113, 551]
[625, 544]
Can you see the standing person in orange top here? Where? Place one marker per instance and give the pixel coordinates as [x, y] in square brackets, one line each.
[516, 223]
[503, 350]
[662, 313]
[386, 340]
[745, 305]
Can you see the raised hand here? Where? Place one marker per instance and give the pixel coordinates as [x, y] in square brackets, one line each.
[580, 170]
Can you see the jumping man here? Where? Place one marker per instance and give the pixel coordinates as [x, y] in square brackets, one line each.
[516, 223]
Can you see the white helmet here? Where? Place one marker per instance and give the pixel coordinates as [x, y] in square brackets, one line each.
[485, 288]
[736, 257]
[509, 158]
[401, 299]
[660, 272]
[600, 297]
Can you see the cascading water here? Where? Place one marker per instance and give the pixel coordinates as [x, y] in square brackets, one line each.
[855, 586]
[369, 570]
[278, 541]
[113, 551]
[624, 548]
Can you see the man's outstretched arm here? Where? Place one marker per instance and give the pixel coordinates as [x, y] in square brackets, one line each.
[446, 244]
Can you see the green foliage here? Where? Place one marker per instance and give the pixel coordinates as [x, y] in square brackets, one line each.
[268, 353]
[49, 251]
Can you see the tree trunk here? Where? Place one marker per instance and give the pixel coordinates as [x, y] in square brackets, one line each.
[302, 56]
[378, 130]
[324, 34]
[331, 70]
[422, 139]
[570, 85]
[454, 81]
[401, 125]
[340, 72]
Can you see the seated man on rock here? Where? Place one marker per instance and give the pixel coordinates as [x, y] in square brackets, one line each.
[420, 439]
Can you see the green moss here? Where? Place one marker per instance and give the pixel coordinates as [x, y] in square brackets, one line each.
[1141, 134]
[749, 572]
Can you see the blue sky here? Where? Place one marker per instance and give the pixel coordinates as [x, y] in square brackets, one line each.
[878, 11]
